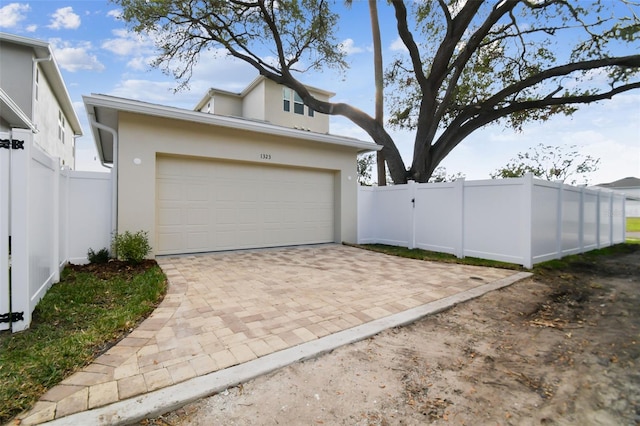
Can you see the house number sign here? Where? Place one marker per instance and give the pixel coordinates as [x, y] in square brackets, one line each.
[265, 156]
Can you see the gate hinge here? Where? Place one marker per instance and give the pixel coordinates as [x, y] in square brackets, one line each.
[14, 144]
[12, 317]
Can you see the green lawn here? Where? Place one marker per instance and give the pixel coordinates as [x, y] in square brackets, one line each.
[79, 318]
[633, 224]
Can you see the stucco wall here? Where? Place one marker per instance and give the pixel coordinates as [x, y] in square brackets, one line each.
[143, 137]
[254, 103]
[275, 113]
[16, 69]
[223, 104]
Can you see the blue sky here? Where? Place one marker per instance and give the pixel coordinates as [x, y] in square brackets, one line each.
[97, 54]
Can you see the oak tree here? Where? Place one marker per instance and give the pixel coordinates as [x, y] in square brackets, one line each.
[468, 63]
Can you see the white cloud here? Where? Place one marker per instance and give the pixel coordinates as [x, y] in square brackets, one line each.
[75, 58]
[140, 63]
[127, 43]
[160, 92]
[12, 14]
[31, 28]
[348, 47]
[64, 18]
[216, 69]
[115, 13]
[398, 46]
[139, 48]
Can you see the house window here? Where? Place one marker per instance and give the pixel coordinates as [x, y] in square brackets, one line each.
[298, 105]
[61, 124]
[310, 112]
[286, 99]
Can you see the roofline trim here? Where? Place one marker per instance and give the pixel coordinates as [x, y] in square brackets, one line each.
[128, 105]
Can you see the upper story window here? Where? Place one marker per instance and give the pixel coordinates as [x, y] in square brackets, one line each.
[61, 124]
[298, 105]
[286, 99]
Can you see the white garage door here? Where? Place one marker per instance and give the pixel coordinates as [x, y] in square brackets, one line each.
[205, 205]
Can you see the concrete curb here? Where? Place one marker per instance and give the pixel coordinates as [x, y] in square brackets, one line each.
[161, 401]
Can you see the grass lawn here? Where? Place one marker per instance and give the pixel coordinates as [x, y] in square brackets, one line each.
[436, 257]
[79, 318]
[565, 262]
[633, 224]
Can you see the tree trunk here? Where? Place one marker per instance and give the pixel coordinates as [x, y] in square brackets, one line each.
[379, 102]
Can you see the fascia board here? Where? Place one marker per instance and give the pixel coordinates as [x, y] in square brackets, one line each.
[128, 105]
[15, 114]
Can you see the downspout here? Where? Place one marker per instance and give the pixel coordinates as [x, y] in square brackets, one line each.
[114, 174]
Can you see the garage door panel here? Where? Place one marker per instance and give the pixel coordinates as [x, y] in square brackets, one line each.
[168, 191]
[197, 192]
[197, 240]
[197, 216]
[206, 205]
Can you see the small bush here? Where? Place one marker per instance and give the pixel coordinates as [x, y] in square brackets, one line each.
[131, 247]
[102, 256]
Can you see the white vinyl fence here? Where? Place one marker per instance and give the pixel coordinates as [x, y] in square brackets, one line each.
[51, 216]
[523, 221]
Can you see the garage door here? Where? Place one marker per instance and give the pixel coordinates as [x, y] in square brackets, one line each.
[205, 205]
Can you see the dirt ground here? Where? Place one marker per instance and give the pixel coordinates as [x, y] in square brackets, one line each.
[560, 348]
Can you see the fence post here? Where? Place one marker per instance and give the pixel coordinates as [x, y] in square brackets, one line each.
[55, 218]
[611, 197]
[581, 220]
[20, 212]
[4, 230]
[527, 219]
[559, 220]
[598, 218]
[411, 186]
[459, 184]
[624, 218]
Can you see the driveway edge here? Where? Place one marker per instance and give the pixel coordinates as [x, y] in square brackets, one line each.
[161, 401]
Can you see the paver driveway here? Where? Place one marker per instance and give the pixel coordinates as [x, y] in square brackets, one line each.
[229, 308]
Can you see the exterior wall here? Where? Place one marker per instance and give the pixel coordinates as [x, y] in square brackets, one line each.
[4, 126]
[46, 113]
[16, 69]
[223, 104]
[275, 113]
[142, 137]
[17, 80]
[254, 103]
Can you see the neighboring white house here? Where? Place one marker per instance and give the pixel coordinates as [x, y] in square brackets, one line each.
[33, 96]
[200, 181]
[631, 187]
[268, 101]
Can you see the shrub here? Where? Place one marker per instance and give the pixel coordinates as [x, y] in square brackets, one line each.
[131, 247]
[102, 256]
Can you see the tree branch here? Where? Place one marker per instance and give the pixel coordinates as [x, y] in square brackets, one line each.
[459, 130]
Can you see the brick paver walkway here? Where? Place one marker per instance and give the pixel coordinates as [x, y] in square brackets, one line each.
[228, 308]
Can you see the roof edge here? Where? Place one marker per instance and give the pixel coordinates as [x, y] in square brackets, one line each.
[94, 101]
